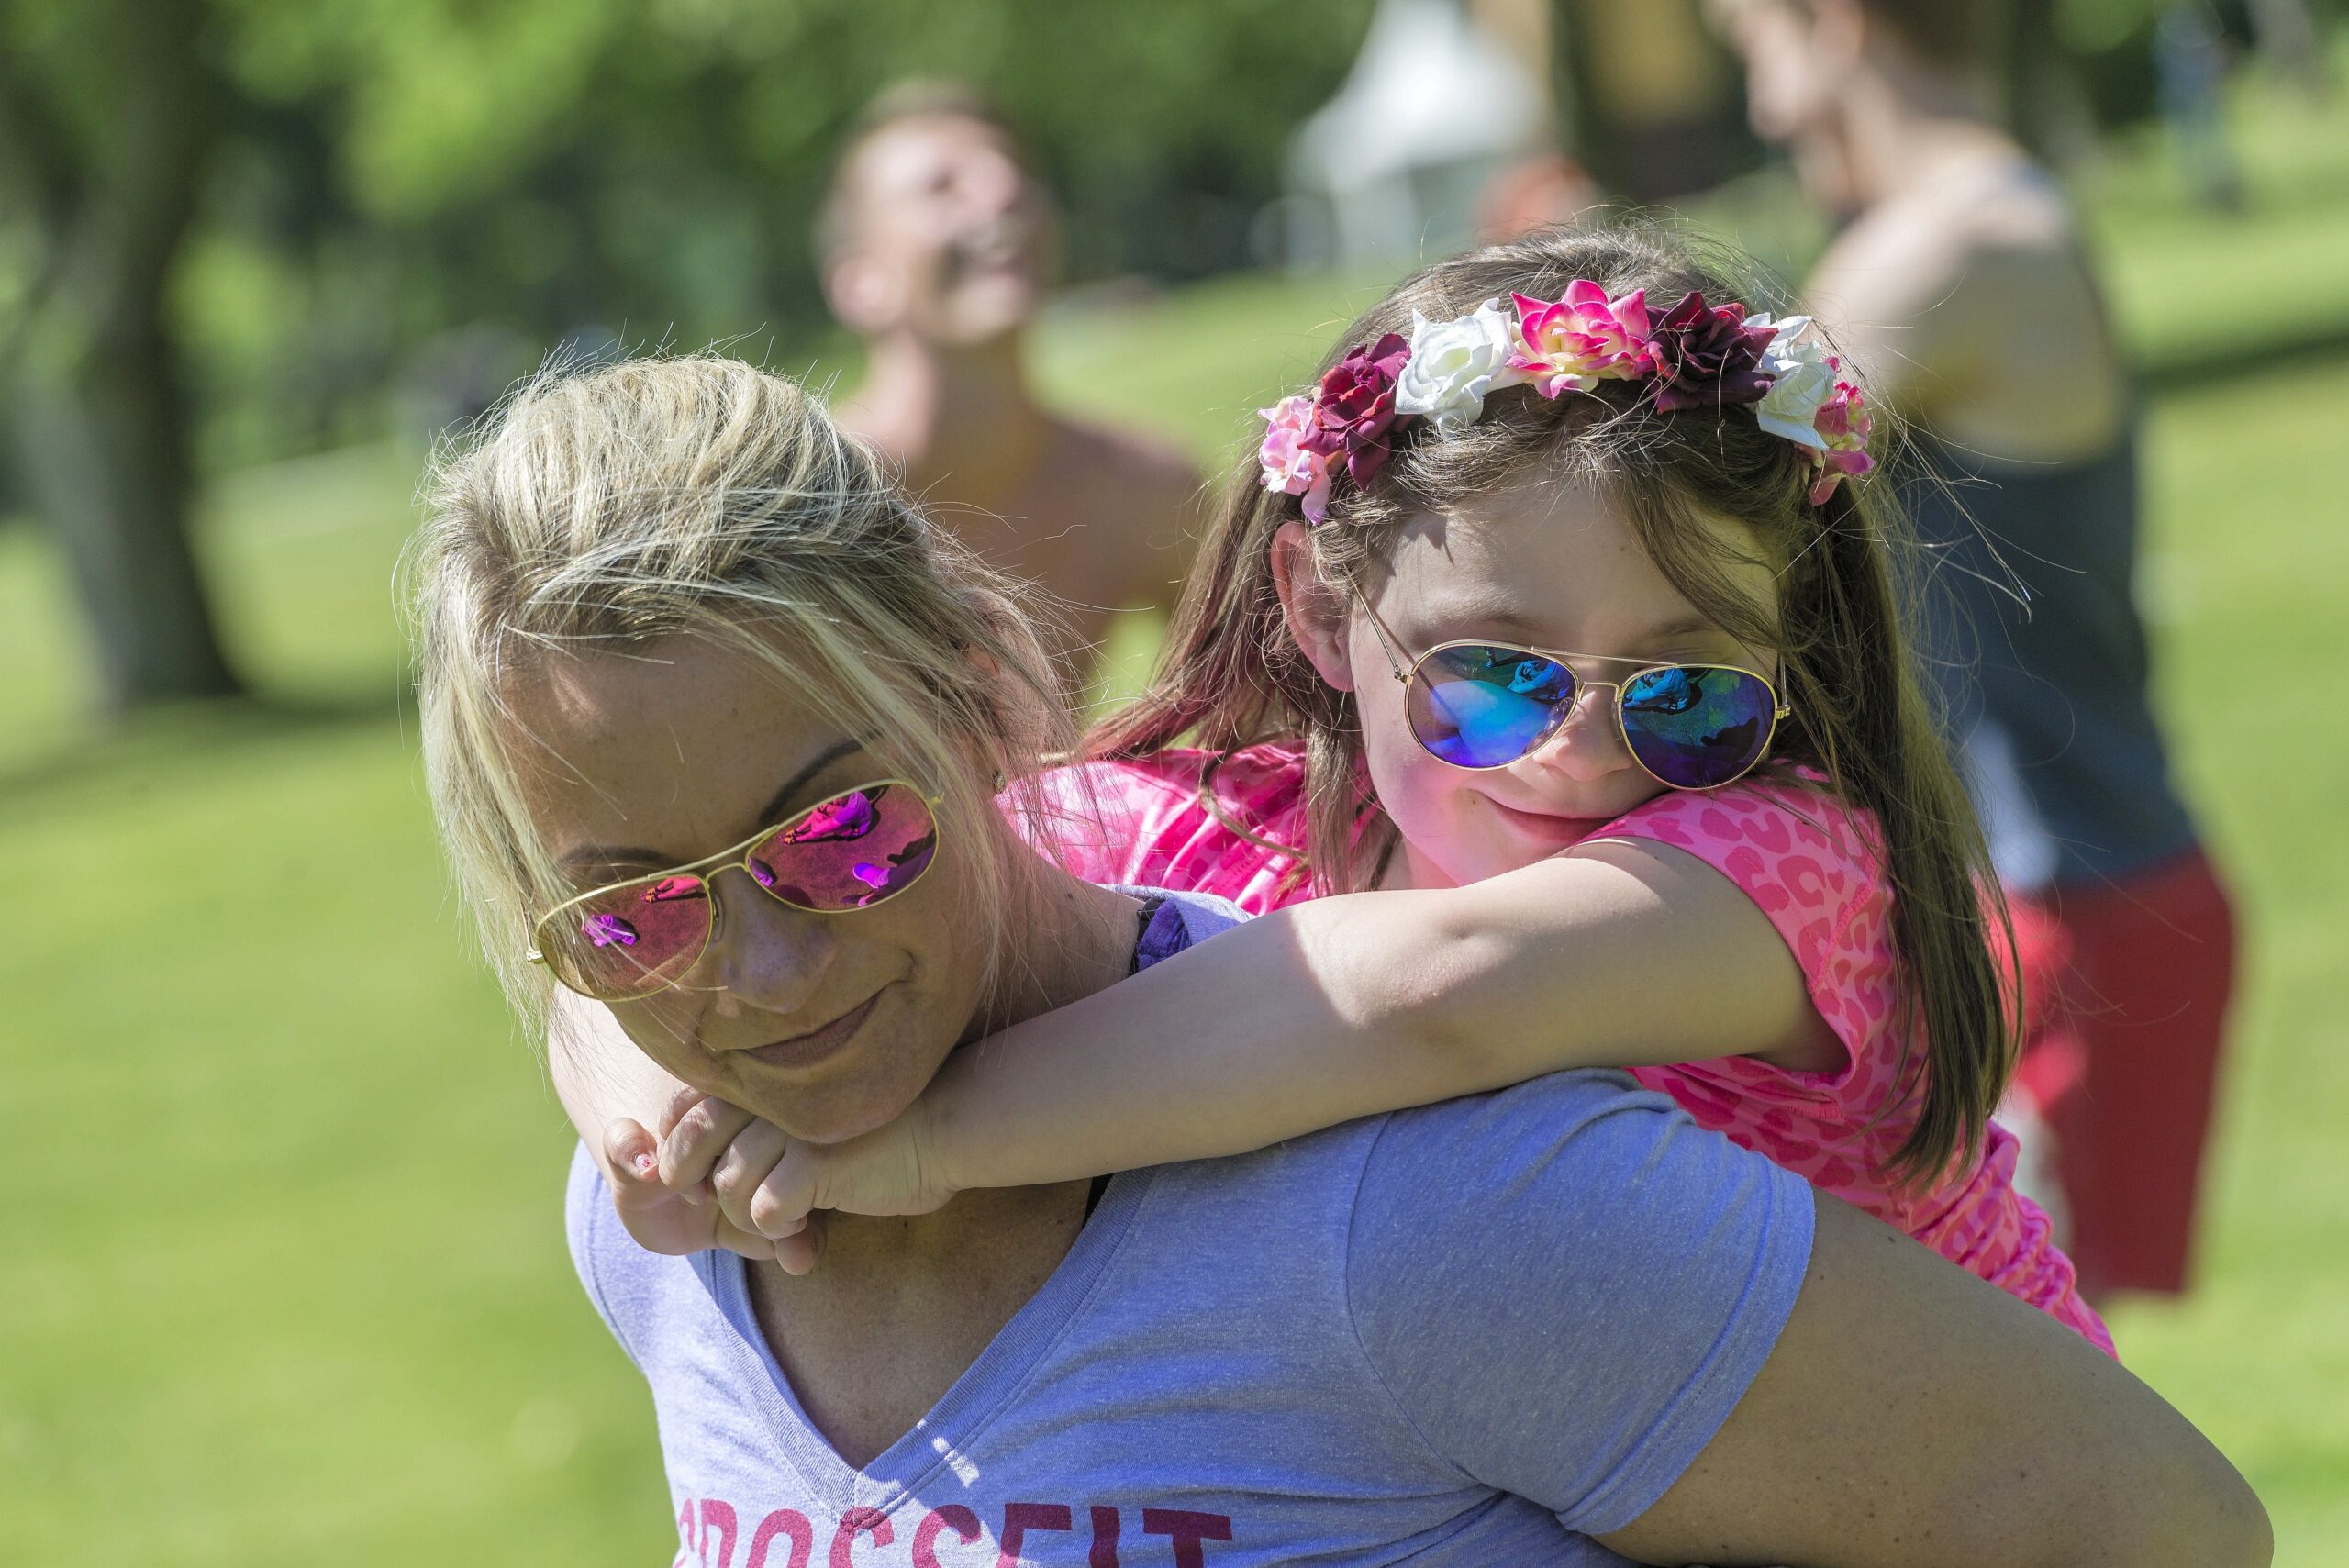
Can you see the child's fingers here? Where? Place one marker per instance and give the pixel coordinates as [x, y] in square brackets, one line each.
[749, 1243]
[647, 1210]
[631, 1159]
[743, 1166]
[789, 1193]
[683, 1098]
[797, 1253]
[696, 1138]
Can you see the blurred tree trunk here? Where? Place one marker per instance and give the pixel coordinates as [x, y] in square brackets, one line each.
[104, 183]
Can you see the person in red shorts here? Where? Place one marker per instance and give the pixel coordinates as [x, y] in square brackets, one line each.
[1959, 283]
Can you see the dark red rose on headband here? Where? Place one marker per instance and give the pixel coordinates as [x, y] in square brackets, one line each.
[1706, 356]
[1354, 409]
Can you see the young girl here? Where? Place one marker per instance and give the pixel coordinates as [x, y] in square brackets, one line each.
[1557, 652]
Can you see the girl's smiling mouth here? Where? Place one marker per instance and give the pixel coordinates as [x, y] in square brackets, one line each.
[1551, 827]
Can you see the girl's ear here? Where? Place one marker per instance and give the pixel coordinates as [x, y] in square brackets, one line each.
[1318, 614]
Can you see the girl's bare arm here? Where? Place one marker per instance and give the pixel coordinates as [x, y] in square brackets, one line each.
[1619, 953]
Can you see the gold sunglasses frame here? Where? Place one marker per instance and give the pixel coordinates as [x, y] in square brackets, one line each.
[706, 868]
[1391, 646]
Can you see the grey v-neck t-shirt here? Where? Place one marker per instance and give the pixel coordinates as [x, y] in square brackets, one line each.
[1471, 1334]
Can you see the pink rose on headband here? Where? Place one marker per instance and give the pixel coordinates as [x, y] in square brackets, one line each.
[1843, 428]
[1586, 338]
[1290, 466]
[1354, 410]
[1708, 355]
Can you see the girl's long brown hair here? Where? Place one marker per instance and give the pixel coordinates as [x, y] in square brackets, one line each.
[1231, 676]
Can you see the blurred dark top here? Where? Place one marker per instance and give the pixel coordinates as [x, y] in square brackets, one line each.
[2065, 678]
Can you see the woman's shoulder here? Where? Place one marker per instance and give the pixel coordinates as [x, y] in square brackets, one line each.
[1573, 1198]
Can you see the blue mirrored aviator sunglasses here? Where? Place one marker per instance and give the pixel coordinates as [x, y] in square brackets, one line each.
[1485, 705]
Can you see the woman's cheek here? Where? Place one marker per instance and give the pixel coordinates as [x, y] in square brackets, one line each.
[664, 1026]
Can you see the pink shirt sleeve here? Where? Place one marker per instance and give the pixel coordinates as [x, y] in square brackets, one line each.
[1809, 865]
[1146, 823]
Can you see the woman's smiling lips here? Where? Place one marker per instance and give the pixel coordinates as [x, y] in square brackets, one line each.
[803, 1051]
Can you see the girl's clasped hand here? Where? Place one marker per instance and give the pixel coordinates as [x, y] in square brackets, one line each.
[713, 1174]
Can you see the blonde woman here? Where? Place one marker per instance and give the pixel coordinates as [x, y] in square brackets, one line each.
[713, 721]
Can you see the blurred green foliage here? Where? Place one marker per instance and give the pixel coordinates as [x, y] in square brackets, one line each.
[648, 171]
[412, 201]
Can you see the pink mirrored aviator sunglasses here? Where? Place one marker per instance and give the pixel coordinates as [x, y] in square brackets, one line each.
[859, 848]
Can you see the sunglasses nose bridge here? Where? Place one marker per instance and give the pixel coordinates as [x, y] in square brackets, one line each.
[1587, 739]
[747, 862]
[769, 952]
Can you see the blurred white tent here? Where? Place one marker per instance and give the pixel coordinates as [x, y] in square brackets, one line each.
[1389, 170]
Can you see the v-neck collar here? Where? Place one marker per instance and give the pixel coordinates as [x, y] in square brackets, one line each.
[940, 1440]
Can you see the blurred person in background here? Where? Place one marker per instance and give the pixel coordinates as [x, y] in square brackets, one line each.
[1546, 189]
[1959, 281]
[937, 243]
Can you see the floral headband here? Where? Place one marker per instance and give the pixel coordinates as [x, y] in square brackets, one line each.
[1697, 356]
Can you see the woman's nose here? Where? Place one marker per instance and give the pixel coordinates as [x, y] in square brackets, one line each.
[764, 954]
[1588, 746]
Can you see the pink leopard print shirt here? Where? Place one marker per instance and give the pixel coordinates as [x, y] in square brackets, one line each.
[1806, 862]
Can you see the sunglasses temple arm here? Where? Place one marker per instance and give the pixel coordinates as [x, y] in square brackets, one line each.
[1385, 638]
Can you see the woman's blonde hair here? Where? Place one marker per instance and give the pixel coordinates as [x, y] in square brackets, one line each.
[601, 509]
[1231, 676]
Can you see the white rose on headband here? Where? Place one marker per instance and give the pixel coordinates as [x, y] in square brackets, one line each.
[1454, 363]
[1802, 380]
[1786, 346]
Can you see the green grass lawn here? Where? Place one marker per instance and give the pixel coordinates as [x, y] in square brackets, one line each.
[2247, 566]
[287, 1279]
